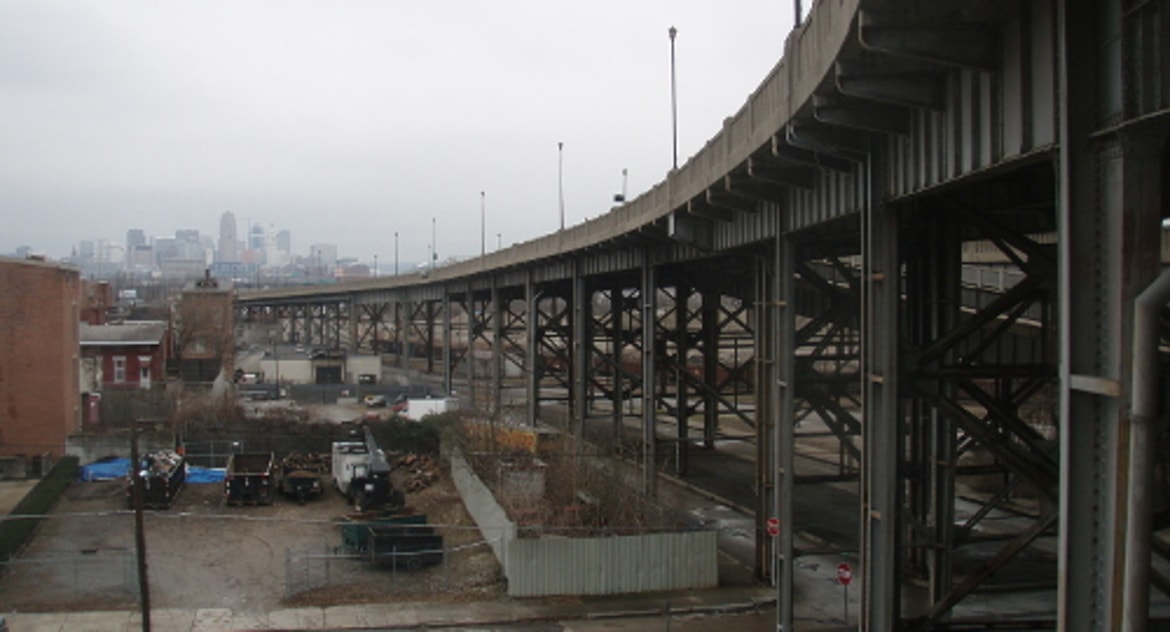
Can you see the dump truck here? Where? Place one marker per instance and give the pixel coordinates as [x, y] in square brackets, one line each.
[301, 474]
[361, 473]
[248, 479]
[163, 474]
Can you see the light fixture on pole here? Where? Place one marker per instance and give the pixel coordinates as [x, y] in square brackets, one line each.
[673, 97]
[621, 197]
[482, 224]
[561, 180]
[499, 240]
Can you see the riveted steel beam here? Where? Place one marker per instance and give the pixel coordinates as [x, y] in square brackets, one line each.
[689, 229]
[793, 177]
[785, 150]
[744, 186]
[883, 118]
[963, 45]
[722, 198]
[917, 90]
[826, 140]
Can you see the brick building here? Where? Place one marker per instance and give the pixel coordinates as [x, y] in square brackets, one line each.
[128, 355]
[204, 330]
[97, 299]
[39, 342]
[118, 362]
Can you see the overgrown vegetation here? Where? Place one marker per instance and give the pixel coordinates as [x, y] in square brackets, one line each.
[15, 533]
[549, 484]
[282, 430]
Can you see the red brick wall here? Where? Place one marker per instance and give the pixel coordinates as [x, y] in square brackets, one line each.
[39, 347]
[132, 356]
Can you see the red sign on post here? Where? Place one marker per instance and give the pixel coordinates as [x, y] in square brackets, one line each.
[773, 526]
[844, 574]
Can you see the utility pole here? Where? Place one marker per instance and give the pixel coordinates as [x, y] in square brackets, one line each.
[673, 97]
[561, 180]
[139, 531]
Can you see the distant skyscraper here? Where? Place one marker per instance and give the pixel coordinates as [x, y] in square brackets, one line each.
[135, 237]
[229, 244]
[284, 241]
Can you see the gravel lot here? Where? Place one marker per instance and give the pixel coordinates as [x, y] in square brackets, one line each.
[202, 554]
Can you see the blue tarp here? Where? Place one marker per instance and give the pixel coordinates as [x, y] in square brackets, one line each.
[105, 470]
[109, 469]
[205, 474]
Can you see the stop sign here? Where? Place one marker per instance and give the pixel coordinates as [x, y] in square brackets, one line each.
[773, 526]
[844, 574]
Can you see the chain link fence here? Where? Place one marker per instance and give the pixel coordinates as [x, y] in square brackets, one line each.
[80, 577]
[389, 565]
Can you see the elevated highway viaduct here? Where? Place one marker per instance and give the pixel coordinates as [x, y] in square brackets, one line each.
[810, 259]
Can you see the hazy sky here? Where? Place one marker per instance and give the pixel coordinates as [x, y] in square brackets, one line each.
[345, 121]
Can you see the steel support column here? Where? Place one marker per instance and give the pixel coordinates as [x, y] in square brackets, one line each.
[880, 578]
[765, 325]
[531, 362]
[617, 311]
[681, 335]
[582, 316]
[448, 354]
[784, 395]
[711, 349]
[649, 297]
[497, 357]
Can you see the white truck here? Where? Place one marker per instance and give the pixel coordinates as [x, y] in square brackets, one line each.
[416, 409]
[361, 473]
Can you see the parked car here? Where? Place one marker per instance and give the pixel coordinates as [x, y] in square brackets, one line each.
[375, 401]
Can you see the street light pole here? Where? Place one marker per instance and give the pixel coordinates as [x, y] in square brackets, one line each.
[561, 180]
[673, 97]
[482, 224]
[395, 253]
[499, 240]
[434, 252]
[375, 266]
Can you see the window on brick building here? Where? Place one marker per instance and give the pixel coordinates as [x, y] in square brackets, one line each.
[119, 369]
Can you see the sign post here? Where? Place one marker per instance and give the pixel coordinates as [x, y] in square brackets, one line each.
[844, 576]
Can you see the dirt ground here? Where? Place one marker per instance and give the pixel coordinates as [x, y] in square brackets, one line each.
[202, 554]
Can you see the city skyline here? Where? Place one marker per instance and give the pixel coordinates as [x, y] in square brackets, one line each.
[163, 116]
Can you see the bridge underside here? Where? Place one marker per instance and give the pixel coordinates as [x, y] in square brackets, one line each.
[915, 295]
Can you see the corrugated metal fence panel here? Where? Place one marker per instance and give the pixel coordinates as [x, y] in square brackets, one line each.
[481, 504]
[612, 565]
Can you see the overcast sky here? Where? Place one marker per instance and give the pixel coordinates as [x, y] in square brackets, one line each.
[345, 121]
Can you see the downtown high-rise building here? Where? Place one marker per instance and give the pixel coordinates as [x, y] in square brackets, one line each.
[228, 250]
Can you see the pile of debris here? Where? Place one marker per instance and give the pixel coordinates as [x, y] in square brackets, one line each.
[308, 462]
[422, 471]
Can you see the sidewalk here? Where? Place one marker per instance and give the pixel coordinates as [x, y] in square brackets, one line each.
[406, 615]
